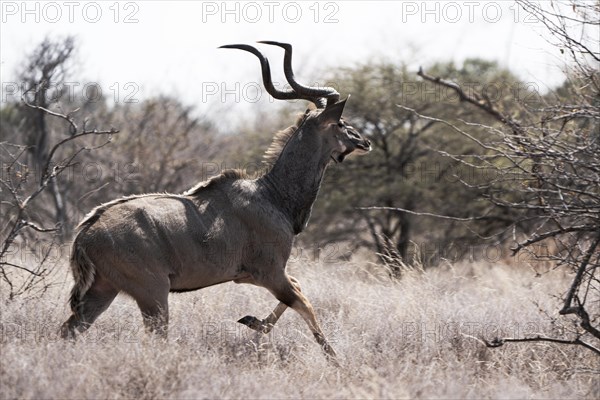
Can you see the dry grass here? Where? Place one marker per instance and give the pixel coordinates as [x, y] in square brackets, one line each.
[405, 340]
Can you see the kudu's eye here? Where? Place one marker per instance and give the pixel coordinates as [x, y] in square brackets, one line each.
[340, 124]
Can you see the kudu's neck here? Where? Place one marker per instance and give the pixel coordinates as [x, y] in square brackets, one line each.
[294, 180]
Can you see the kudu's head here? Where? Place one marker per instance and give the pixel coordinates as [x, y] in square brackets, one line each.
[336, 137]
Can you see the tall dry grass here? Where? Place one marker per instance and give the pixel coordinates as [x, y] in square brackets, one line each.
[411, 339]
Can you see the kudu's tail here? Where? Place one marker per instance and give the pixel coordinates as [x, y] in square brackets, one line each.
[83, 274]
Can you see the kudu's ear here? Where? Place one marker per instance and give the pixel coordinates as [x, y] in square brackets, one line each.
[332, 113]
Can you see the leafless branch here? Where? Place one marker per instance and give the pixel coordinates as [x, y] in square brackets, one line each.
[476, 100]
[423, 214]
[22, 201]
[577, 341]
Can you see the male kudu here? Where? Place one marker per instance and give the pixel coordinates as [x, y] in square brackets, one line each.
[229, 228]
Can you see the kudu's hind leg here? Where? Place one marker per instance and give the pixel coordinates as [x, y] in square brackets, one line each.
[267, 324]
[264, 325]
[93, 303]
[155, 311]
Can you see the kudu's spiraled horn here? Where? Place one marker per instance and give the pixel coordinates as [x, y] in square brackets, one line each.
[319, 96]
[266, 73]
[328, 93]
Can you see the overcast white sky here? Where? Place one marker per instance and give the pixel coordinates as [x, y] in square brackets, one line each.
[171, 47]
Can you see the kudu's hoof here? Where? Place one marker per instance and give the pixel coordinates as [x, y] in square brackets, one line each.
[255, 324]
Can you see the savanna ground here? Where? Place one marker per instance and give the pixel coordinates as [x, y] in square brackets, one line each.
[412, 339]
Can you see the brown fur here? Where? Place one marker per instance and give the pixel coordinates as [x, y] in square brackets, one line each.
[228, 228]
[227, 175]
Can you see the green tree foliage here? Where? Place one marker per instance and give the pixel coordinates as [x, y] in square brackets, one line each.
[407, 168]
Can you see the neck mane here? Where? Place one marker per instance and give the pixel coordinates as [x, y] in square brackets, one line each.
[297, 167]
[280, 139]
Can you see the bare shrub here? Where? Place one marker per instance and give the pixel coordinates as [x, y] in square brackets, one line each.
[545, 167]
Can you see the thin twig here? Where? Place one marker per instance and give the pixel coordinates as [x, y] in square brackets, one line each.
[425, 214]
[577, 341]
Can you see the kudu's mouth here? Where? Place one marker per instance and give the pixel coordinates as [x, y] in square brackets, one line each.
[363, 148]
[359, 149]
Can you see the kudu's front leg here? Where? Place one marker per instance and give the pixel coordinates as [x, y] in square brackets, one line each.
[266, 325]
[292, 293]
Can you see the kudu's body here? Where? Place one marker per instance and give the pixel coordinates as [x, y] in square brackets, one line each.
[228, 228]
